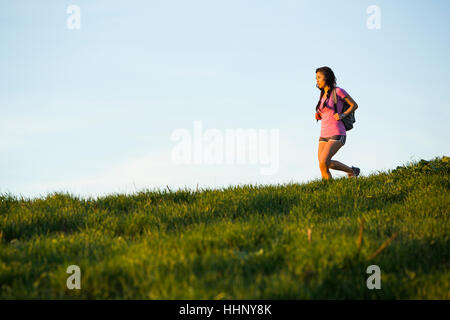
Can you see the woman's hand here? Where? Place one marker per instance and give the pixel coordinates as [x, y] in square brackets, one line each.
[318, 116]
[338, 116]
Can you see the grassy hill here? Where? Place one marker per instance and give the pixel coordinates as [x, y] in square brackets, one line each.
[292, 241]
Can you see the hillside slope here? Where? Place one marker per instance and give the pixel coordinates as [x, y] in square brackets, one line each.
[294, 241]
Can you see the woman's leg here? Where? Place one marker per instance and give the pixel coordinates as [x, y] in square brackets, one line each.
[329, 149]
[322, 145]
[336, 165]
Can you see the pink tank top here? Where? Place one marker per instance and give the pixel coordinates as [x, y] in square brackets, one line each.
[330, 126]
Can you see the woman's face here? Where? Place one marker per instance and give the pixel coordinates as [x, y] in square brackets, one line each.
[320, 78]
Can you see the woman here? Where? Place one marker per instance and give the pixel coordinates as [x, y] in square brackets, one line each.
[332, 131]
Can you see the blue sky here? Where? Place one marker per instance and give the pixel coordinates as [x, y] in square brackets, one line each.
[91, 111]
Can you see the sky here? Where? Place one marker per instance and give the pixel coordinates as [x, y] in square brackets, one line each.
[97, 110]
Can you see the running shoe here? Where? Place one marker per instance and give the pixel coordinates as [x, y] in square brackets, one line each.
[356, 171]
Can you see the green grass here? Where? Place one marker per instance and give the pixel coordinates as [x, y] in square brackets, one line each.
[241, 242]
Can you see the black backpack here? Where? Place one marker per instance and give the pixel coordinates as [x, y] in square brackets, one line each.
[348, 120]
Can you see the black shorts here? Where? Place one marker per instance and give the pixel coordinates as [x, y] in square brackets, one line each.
[340, 138]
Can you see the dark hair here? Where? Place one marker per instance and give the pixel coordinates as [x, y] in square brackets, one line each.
[330, 80]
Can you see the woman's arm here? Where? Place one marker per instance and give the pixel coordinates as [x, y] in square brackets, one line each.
[353, 106]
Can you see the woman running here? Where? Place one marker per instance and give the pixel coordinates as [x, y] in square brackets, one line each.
[332, 131]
